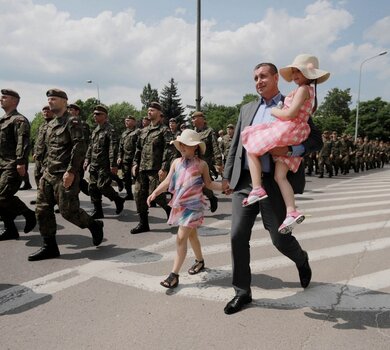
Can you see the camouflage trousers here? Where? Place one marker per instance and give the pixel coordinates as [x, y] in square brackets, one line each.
[51, 192]
[127, 177]
[10, 205]
[146, 182]
[100, 185]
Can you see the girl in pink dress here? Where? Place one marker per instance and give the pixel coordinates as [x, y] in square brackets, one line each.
[290, 128]
[185, 180]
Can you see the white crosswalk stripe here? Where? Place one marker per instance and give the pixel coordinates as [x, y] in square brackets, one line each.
[360, 292]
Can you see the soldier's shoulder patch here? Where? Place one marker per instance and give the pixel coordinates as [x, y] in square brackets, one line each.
[20, 119]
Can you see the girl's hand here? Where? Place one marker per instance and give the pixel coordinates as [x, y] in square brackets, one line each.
[150, 199]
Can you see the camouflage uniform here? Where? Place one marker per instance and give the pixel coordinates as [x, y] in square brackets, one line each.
[212, 157]
[40, 151]
[336, 159]
[101, 156]
[367, 149]
[324, 157]
[225, 146]
[65, 149]
[359, 155]
[345, 151]
[153, 153]
[127, 146]
[14, 150]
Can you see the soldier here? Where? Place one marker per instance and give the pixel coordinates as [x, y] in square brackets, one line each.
[127, 146]
[335, 156]
[40, 147]
[226, 141]
[102, 157]
[324, 155]
[213, 156]
[345, 151]
[74, 110]
[367, 149]
[150, 165]
[145, 122]
[382, 153]
[65, 149]
[175, 131]
[358, 155]
[14, 149]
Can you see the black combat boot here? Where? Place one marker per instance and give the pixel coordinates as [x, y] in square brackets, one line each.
[26, 186]
[119, 202]
[97, 212]
[84, 187]
[143, 225]
[49, 250]
[10, 232]
[213, 204]
[96, 229]
[31, 220]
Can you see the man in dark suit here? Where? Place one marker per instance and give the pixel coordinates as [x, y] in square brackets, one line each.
[236, 178]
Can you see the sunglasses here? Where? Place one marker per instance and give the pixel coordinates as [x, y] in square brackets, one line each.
[98, 113]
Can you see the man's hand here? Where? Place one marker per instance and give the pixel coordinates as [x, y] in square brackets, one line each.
[114, 170]
[162, 174]
[279, 151]
[134, 170]
[21, 169]
[226, 187]
[68, 179]
[85, 165]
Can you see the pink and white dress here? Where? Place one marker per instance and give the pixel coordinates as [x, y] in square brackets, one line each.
[188, 202]
[261, 138]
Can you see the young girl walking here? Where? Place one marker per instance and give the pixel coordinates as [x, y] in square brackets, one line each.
[185, 180]
[290, 128]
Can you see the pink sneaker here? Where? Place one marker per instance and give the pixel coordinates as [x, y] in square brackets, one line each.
[292, 218]
[257, 194]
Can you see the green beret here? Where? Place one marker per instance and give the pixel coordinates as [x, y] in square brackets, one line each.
[173, 120]
[230, 126]
[155, 105]
[197, 114]
[130, 117]
[57, 93]
[46, 108]
[10, 92]
[100, 108]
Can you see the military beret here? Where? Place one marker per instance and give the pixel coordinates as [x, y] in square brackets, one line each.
[155, 105]
[10, 92]
[146, 117]
[74, 106]
[197, 114]
[45, 108]
[57, 93]
[101, 108]
[129, 117]
[230, 126]
[173, 120]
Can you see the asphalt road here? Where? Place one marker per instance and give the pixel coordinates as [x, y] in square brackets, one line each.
[110, 298]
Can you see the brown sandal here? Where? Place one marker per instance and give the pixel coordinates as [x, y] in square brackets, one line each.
[171, 281]
[197, 267]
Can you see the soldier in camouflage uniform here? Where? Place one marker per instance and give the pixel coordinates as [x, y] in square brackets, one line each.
[60, 181]
[212, 157]
[227, 141]
[358, 155]
[74, 110]
[102, 158]
[151, 164]
[14, 150]
[345, 150]
[335, 156]
[174, 132]
[367, 149]
[127, 146]
[324, 155]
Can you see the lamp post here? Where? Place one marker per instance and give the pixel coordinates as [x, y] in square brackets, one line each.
[360, 80]
[198, 98]
[97, 86]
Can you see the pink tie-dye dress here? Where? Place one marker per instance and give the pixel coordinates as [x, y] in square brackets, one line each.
[187, 200]
[261, 138]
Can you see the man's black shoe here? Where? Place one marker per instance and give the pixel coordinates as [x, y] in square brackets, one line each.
[49, 250]
[119, 202]
[141, 227]
[237, 303]
[8, 234]
[31, 220]
[213, 204]
[97, 232]
[305, 272]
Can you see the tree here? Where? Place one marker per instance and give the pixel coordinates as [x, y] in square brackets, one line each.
[331, 123]
[219, 116]
[148, 95]
[336, 103]
[171, 102]
[117, 113]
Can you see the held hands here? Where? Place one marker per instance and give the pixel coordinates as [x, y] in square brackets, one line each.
[226, 187]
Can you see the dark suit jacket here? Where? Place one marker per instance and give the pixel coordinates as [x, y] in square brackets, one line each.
[235, 160]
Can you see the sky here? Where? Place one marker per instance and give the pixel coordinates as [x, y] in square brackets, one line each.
[122, 45]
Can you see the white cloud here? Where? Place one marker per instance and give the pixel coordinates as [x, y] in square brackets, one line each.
[379, 32]
[46, 47]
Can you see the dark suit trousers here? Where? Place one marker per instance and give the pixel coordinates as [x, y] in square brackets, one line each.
[273, 212]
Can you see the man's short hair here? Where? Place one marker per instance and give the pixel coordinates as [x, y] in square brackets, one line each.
[271, 66]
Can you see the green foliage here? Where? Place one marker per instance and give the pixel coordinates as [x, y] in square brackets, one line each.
[219, 116]
[34, 126]
[148, 95]
[117, 113]
[171, 102]
[331, 123]
[336, 103]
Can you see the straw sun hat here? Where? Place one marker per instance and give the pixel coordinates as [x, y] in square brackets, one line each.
[189, 137]
[309, 67]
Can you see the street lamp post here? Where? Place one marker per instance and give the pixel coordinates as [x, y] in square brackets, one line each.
[358, 99]
[198, 98]
[97, 86]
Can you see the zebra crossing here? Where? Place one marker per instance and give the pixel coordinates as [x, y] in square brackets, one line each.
[351, 216]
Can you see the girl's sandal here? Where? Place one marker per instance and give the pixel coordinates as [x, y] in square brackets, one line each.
[197, 267]
[171, 281]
